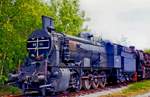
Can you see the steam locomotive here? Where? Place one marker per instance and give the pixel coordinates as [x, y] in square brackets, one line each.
[58, 62]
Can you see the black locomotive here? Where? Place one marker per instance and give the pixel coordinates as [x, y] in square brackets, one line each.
[57, 62]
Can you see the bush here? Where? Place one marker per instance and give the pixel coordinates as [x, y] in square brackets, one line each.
[3, 79]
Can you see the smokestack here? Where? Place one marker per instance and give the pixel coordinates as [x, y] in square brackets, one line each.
[47, 23]
[132, 48]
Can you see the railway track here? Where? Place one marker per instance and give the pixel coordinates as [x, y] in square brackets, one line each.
[77, 94]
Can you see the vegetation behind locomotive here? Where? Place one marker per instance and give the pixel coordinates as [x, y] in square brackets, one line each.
[59, 62]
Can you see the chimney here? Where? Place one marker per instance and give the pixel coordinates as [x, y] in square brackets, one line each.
[47, 23]
[132, 48]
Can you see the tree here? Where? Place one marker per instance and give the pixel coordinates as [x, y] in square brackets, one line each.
[147, 51]
[67, 16]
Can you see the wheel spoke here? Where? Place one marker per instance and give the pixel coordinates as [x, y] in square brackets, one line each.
[103, 80]
[95, 83]
[86, 84]
[76, 83]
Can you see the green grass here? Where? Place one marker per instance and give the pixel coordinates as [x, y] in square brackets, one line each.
[9, 90]
[138, 87]
[133, 89]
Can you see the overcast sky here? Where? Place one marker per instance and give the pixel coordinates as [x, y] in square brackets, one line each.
[120, 19]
